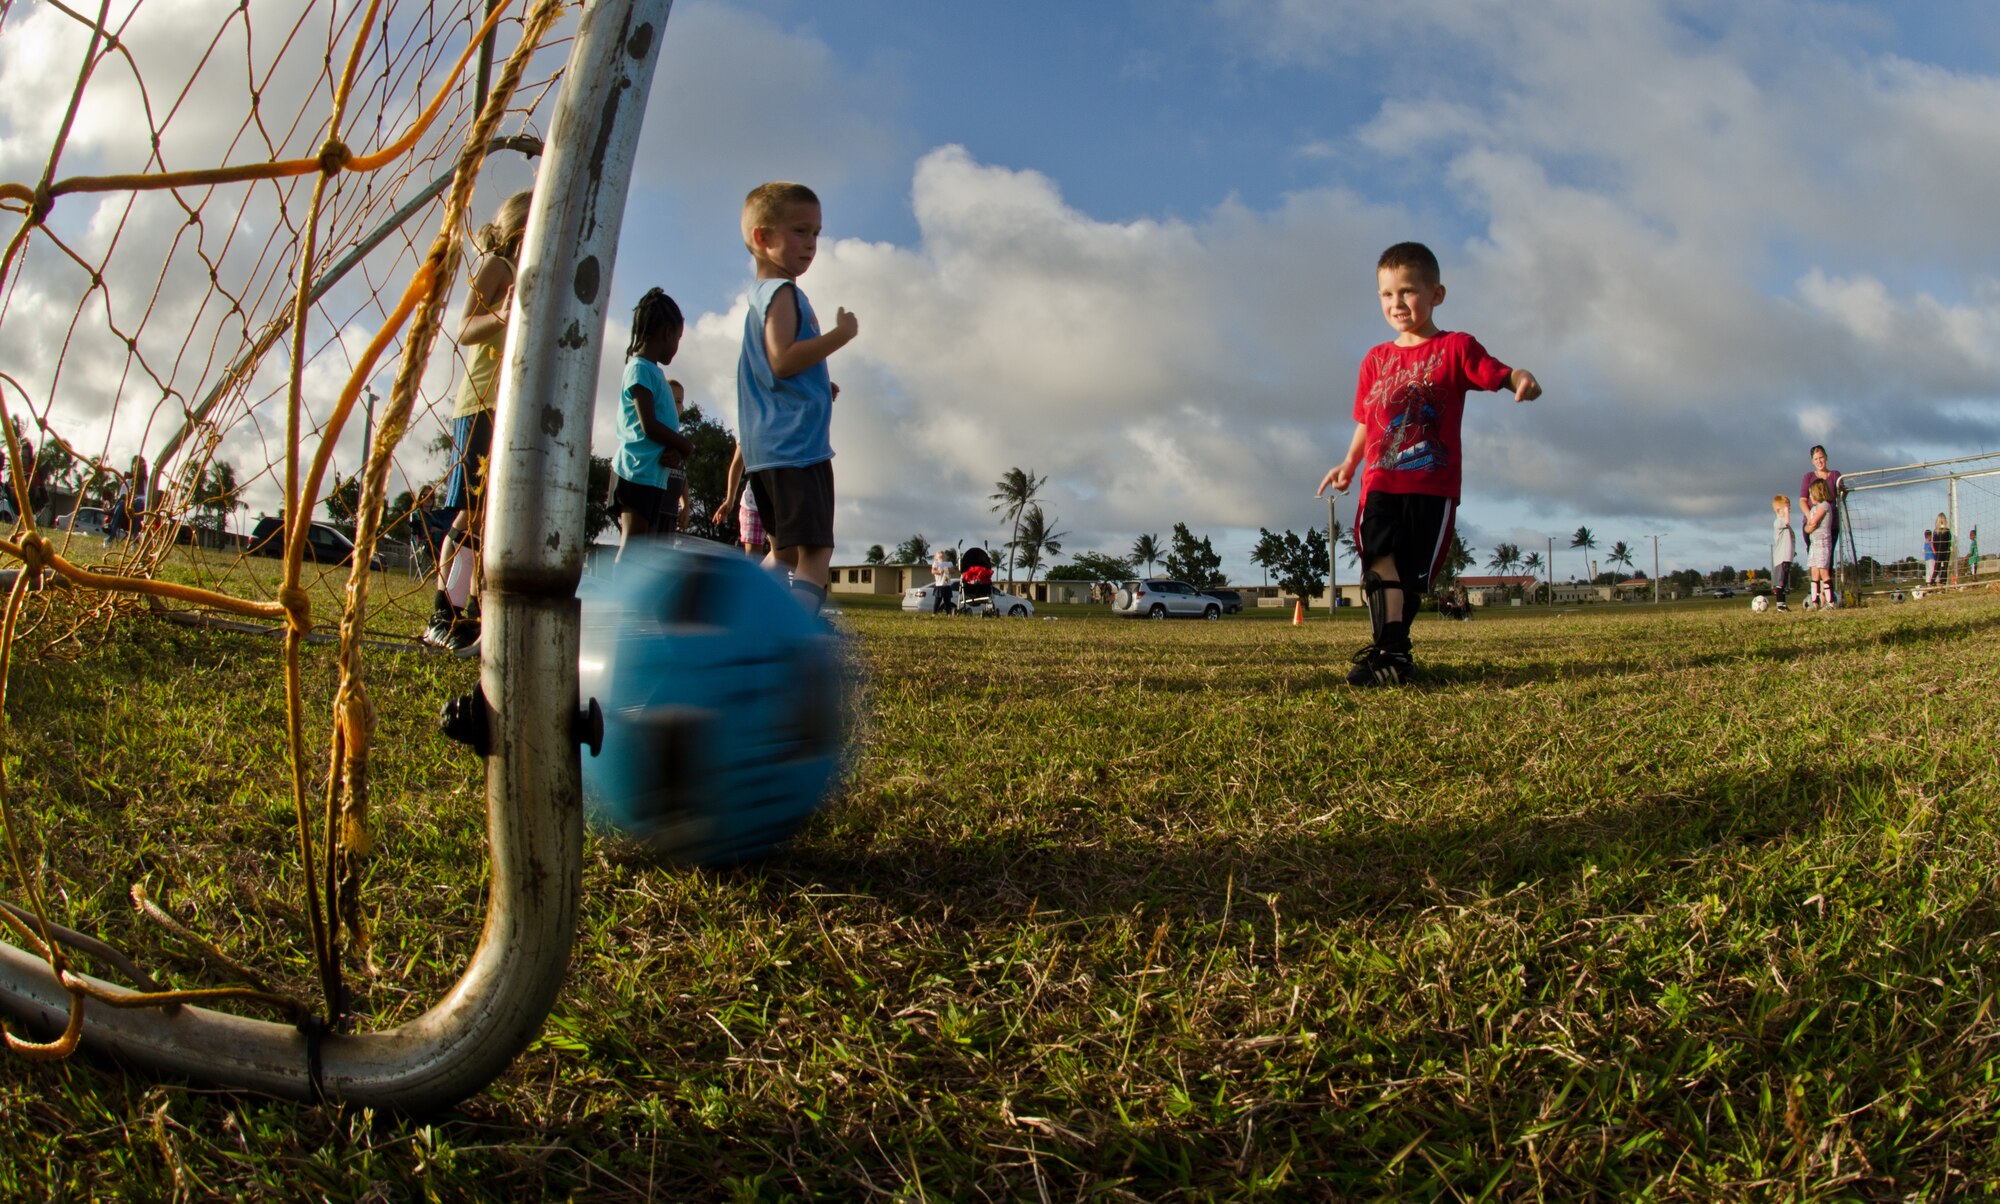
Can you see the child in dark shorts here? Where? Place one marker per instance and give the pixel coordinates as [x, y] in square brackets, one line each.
[1408, 406]
[650, 443]
[784, 395]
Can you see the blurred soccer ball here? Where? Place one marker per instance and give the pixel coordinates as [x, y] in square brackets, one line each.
[1917, 594]
[724, 717]
[1760, 603]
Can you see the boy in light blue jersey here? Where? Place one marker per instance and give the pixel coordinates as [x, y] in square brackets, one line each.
[784, 394]
[650, 443]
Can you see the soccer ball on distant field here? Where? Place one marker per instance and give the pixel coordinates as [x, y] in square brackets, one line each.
[1761, 603]
[724, 716]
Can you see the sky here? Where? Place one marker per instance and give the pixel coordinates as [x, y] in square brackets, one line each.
[1130, 247]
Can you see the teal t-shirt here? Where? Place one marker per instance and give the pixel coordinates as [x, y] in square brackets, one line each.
[638, 459]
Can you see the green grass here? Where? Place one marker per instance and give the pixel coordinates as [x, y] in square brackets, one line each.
[1678, 903]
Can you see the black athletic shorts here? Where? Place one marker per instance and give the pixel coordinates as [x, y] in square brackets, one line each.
[649, 503]
[796, 505]
[1413, 528]
[471, 449]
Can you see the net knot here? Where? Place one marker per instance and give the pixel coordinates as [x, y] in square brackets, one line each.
[45, 200]
[298, 607]
[334, 156]
[35, 554]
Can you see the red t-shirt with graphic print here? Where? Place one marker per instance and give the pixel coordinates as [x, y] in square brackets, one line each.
[1412, 399]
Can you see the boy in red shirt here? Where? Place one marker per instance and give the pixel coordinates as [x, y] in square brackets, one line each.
[1407, 409]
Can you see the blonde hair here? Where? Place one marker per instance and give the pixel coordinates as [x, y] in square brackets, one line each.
[766, 205]
[1943, 523]
[1818, 491]
[502, 235]
[1779, 501]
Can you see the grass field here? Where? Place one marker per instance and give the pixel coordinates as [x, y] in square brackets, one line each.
[1683, 904]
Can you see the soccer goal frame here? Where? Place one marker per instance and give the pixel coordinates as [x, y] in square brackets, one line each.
[1860, 491]
[528, 672]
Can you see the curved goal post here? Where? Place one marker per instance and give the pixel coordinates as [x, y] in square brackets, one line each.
[528, 674]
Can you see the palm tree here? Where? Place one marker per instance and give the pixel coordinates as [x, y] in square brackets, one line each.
[1533, 563]
[1504, 558]
[1035, 535]
[1588, 542]
[1012, 494]
[1268, 552]
[1620, 554]
[1146, 550]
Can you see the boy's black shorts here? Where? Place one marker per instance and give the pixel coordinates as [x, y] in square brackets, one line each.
[796, 505]
[650, 504]
[1413, 528]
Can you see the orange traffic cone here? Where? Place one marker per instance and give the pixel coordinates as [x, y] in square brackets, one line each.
[1299, 613]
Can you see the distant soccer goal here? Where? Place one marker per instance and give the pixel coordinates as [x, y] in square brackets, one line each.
[1887, 513]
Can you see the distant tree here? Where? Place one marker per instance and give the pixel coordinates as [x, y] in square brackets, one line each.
[1532, 563]
[343, 503]
[1035, 536]
[1193, 560]
[216, 498]
[1267, 552]
[1011, 496]
[914, 550]
[596, 507]
[875, 554]
[1093, 566]
[1620, 553]
[1456, 560]
[708, 475]
[1505, 557]
[1146, 550]
[1300, 562]
[1585, 539]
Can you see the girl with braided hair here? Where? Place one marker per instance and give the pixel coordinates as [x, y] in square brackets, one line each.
[650, 443]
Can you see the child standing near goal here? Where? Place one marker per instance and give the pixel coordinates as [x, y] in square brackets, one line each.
[1941, 562]
[650, 443]
[1783, 549]
[483, 334]
[784, 394]
[1407, 410]
[1819, 552]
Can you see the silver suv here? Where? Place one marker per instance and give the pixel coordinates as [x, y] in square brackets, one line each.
[1163, 598]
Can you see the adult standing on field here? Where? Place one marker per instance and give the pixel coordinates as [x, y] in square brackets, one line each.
[1830, 531]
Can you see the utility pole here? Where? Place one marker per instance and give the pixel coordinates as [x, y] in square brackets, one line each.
[368, 431]
[1332, 553]
[1656, 567]
[1551, 568]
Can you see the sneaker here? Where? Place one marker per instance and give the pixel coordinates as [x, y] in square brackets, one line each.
[451, 630]
[1782, 606]
[437, 633]
[1375, 667]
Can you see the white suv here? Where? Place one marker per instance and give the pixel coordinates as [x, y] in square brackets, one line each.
[1163, 598]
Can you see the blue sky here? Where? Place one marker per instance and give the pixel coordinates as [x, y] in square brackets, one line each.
[1130, 246]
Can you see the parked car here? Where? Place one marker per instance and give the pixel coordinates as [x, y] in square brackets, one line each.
[88, 520]
[1161, 598]
[923, 598]
[1232, 602]
[324, 544]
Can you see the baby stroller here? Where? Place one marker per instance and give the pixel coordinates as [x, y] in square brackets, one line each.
[975, 583]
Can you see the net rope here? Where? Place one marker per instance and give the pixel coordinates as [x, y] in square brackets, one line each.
[386, 104]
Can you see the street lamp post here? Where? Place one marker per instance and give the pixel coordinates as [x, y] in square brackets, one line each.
[1656, 567]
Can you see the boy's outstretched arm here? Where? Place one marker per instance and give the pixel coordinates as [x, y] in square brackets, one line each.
[1341, 475]
[1524, 384]
[791, 355]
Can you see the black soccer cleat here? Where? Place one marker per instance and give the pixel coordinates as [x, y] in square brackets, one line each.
[1376, 667]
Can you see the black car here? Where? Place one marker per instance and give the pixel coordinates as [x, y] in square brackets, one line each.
[1232, 602]
[324, 544]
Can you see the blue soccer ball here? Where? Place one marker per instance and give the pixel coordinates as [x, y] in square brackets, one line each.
[725, 721]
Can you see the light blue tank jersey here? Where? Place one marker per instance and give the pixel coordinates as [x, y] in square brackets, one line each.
[638, 459]
[781, 423]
